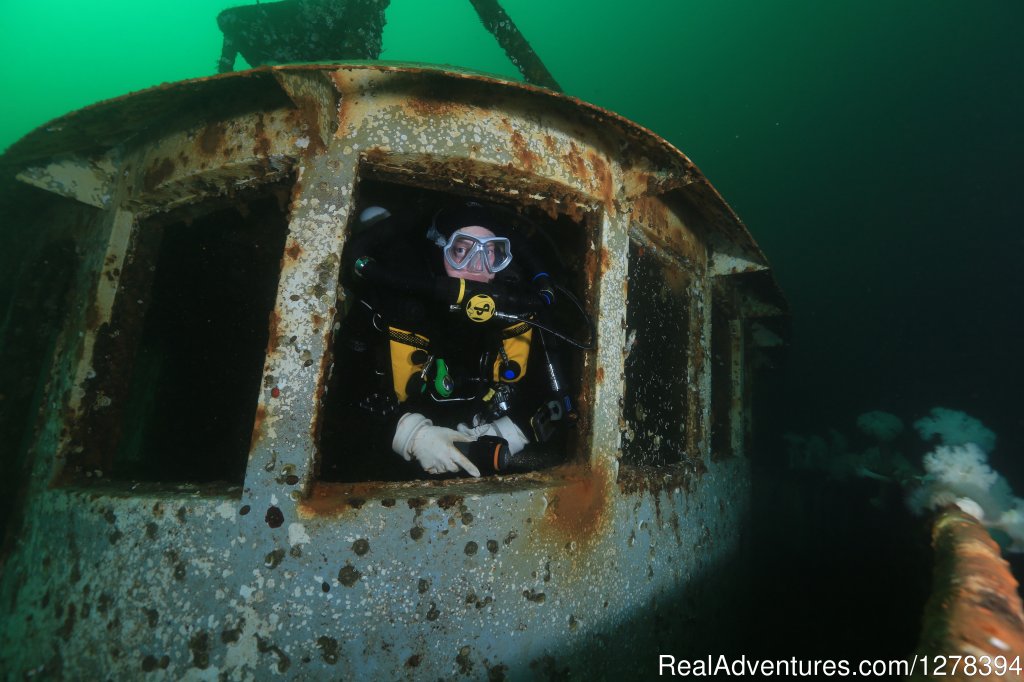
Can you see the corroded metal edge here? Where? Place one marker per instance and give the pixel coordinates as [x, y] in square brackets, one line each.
[102, 125]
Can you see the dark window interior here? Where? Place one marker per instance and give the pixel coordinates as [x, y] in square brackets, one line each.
[658, 323]
[721, 384]
[354, 443]
[178, 370]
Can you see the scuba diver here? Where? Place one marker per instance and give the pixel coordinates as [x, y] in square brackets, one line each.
[445, 341]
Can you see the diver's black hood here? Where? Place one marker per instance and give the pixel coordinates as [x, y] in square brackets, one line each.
[451, 218]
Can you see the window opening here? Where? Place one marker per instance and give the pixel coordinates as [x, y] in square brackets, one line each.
[721, 383]
[177, 372]
[657, 346]
[403, 346]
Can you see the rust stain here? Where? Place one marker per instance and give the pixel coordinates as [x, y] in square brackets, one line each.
[317, 145]
[344, 109]
[261, 143]
[606, 261]
[664, 227]
[577, 510]
[334, 499]
[551, 145]
[275, 321]
[212, 139]
[605, 185]
[652, 213]
[600, 375]
[305, 118]
[257, 427]
[296, 195]
[576, 163]
[294, 251]
[590, 265]
[428, 107]
[524, 157]
[157, 174]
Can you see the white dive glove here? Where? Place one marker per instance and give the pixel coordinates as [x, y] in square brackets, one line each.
[502, 428]
[432, 446]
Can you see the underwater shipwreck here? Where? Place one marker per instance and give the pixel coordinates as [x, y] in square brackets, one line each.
[173, 286]
[172, 289]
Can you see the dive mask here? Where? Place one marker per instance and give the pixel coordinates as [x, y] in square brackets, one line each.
[465, 252]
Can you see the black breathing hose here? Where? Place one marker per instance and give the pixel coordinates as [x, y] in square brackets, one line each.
[443, 288]
[587, 345]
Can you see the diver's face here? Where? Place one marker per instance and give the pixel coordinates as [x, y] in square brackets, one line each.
[475, 270]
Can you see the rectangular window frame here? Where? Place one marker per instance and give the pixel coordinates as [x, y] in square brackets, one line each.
[540, 197]
[93, 451]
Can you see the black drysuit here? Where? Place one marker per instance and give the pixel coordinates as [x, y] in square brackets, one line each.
[405, 296]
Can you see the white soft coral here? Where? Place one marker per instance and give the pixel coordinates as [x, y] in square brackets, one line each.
[961, 475]
[960, 466]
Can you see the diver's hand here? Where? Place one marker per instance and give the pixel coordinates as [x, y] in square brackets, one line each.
[502, 428]
[432, 446]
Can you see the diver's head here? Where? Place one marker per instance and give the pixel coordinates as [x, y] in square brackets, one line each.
[474, 252]
[471, 248]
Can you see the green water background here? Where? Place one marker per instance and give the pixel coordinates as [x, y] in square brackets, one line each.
[873, 148]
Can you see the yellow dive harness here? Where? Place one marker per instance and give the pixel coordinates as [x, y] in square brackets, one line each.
[410, 352]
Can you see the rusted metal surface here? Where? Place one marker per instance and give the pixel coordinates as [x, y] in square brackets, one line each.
[89, 183]
[974, 609]
[282, 574]
[112, 123]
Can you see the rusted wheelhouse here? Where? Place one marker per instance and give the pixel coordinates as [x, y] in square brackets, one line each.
[171, 269]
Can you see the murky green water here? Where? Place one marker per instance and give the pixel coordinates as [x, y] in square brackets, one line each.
[873, 148]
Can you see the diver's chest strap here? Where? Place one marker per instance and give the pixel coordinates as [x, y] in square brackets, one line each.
[410, 351]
